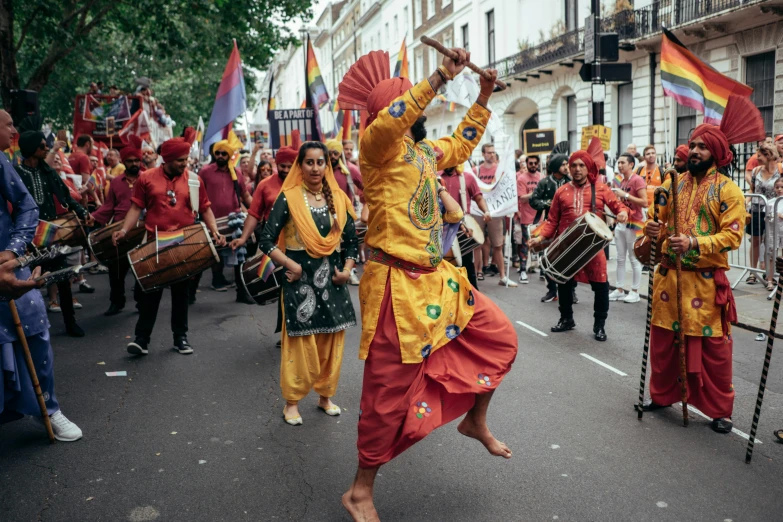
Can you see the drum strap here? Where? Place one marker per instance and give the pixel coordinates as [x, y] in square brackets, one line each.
[592, 198]
[193, 186]
[463, 193]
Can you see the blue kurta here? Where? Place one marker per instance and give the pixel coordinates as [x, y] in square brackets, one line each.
[16, 230]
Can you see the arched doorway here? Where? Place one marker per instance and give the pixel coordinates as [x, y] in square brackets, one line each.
[530, 124]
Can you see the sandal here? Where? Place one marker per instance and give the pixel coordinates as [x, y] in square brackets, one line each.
[333, 410]
[480, 276]
[296, 420]
[751, 280]
[778, 435]
[771, 285]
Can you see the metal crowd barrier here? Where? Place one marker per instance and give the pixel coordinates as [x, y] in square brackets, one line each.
[742, 257]
[772, 222]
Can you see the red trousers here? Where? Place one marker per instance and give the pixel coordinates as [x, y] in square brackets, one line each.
[402, 403]
[708, 364]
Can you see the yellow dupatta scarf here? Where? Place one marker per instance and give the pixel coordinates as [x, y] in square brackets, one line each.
[315, 244]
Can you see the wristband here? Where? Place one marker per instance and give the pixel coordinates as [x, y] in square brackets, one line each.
[445, 73]
[124, 233]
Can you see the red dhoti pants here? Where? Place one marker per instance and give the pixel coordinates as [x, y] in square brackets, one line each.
[402, 403]
[708, 363]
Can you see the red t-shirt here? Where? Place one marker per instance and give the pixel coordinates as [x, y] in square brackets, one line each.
[59, 209]
[752, 163]
[150, 192]
[264, 197]
[220, 189]
[487, 174]
[118, 201]
[632, 186]
[451, 182]
[80, 162]
[356, 177]
[526, 184]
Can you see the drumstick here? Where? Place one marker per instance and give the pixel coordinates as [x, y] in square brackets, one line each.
[451, 54]
[680, 333]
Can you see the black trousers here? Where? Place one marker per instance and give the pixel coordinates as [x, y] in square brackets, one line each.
[565, 298]
[148, 311]
[63, 290]
[467, 262]
[551, 286]
[117, 272]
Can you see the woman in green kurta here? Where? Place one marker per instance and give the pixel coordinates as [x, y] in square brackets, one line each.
[309, 220]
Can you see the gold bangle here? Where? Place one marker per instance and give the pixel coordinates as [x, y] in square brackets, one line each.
[445, 72]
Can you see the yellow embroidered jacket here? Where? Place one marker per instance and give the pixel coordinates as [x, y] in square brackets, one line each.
[713, 212]
[400, 186]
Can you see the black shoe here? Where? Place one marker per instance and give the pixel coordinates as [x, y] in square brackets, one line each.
[74, 330]
[575, 298]
[279, 344]
[138, 347]
[244, 298]
[84, 288]
[493, 269]
[182, 346]
[564, 325]
[722, 425]
[600, 334]
[113, 310]
[652, 406]
[549, 297]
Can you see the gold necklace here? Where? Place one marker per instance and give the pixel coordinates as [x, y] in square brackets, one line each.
[316, 194]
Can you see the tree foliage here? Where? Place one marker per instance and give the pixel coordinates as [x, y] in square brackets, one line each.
[58, 47]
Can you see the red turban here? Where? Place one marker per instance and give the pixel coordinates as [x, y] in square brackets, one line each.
[286, 155]
[682, 152]
[778, 138]
[592, 170]
[383, 94]
[129, 151]
[174, 149]
[716, 143]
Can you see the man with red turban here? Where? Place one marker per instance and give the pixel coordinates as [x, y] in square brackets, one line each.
[681, 159]
[164, 192]
[434, 348]
[571, 201]
[711, 216]
[113, 210]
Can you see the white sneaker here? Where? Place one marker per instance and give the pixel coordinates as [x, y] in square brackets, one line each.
[77, 305]
[507, 282]
[354, 280]
[632, 297]
[64, 429]
[617, 295]
[523, 277]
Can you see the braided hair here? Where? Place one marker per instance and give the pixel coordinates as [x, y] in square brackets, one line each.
[327, 190]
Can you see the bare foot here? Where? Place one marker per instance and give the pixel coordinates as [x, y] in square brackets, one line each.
[482, 434]
[360, 509]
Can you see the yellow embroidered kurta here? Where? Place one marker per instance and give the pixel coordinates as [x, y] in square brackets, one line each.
[400, 186]
[713, 212]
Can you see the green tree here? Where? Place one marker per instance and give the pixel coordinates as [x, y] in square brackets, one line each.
[58, 47]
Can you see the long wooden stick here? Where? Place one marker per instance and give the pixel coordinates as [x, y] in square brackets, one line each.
[31, 368]
[648, 331]
[680, 333]
[765, 370]
[451, 54]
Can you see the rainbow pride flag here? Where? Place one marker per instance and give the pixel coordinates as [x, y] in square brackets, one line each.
[401, 67]
[167, 239]
[693, 83]
[265, 267]
[315, 83]
[230, 100]
[636, 225]
[44, 234]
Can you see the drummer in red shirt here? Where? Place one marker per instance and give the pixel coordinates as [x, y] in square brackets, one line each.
[117, 204]
[163, 191]
[570, 202]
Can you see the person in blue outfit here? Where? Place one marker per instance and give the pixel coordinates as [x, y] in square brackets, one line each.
[17, 397]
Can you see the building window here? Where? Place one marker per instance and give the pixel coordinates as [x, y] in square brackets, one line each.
[491, 36]
[686, 122]
[570, 14]
[760, 75]
[417, 12]
[433, 58]
[573, 136]
[396, 29]
[419, 65]
[430, 8]
[448, 43]
[445, 3]
[465, 37]
[624, 116]
[405, 20]
[386, 35]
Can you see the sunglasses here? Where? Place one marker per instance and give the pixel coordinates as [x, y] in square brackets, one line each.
[173, 196]
[219, 153]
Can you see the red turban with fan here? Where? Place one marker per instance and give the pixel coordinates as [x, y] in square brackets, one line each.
[592, 169]
[289, 153]
[741, 123]
[132, 149]
[367, 85]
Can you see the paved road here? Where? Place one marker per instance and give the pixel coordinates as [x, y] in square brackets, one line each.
[200, 438]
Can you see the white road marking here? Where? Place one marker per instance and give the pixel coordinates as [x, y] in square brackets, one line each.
[733, 430]
[539, 332]
[601, 363]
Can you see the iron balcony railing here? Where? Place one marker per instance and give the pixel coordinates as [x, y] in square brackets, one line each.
[629, 24]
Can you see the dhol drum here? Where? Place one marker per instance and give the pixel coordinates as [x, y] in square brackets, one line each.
[543, 244]
[156, 268]
[465, 243]
[68, 231]
[228, 231]
[575, 247]
[261, 291]
[103, 248]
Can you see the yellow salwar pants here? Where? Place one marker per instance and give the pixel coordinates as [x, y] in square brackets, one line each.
[310, 362]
